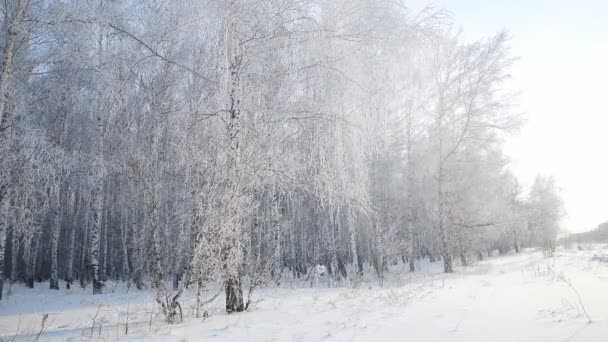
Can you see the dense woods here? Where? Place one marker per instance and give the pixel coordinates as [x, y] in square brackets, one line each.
[187, 144]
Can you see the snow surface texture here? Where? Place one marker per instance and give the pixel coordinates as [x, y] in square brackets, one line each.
[520, 297]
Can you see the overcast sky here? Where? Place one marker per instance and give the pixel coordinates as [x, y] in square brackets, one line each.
[562, 74]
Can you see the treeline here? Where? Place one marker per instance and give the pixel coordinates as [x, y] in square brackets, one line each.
[245, 141]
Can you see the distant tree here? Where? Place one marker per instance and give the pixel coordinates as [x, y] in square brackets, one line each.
[546, 211]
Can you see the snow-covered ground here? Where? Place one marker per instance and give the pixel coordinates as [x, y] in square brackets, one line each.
[523, 297]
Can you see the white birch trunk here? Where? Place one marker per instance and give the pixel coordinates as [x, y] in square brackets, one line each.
[4, 211]
[54, 281]
[69, 279]
[13, 35]
[97, 207]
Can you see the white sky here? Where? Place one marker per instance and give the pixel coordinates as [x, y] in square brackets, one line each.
[562, 74]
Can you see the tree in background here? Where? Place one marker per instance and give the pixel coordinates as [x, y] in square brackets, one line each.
[546, 210]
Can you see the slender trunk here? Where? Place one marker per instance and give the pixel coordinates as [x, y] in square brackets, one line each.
[232, 239]
[461, 245]
[360, 262]
[69, 278]
[125, 249]
[7, 138]
[277, 265]
[445, 246]
[410, 192]
[13, 35]
[15, 245]
[463, 259]
[84, 265]
[4, 211]
[97, 210]
[157, 264]
[292, 249]
[158, 273]
[378, 253]
[447, 257]
[353, 241]
[335, 235]
[175, 281]
[54, 281]
[104, 263]
[98, 176]
[447, 263]
[136, 257]
[32, 258]
[441, 211]
[199, 290]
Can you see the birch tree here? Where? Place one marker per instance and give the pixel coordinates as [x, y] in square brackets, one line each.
[546, 213]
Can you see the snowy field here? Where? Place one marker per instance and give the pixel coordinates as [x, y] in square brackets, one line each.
[519, 297]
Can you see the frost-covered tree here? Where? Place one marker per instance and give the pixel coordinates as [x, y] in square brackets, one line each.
[546, 212]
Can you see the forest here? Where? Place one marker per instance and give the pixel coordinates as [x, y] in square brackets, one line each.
[190, 145]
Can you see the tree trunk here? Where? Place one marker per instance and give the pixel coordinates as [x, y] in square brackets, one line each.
[136, 256]
[15, 244]
[125, 249]
[102, 240]
[14, 31]
[69, 276]
[378, 253]
[445, 243]
[104, 263]
[69, 279]
[410, 190]
[4, 209]
[447, 263]
[83, 276]
[199, 290]
[157, 262]
[463, 259]
[277, 257]
[342, 268]
[447, 257]
[95, 231]
[54, 281]
[234, 295]
[352, 236]
[31, 260]
[175, 281]
[97, 200]
[360, 262]
[232, 240]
